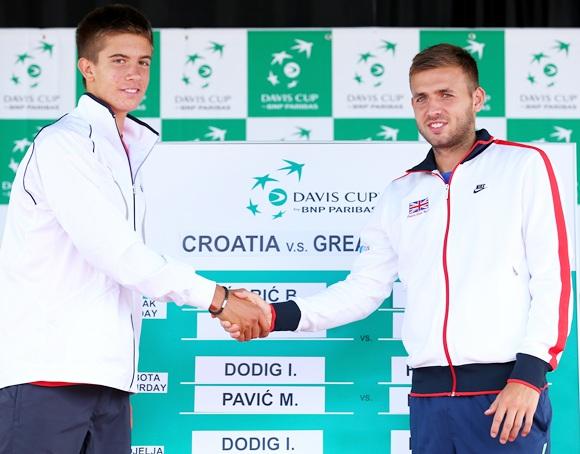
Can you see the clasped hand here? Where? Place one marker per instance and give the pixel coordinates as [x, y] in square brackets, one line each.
[246, 316]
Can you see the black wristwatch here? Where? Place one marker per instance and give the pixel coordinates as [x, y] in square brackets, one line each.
[223, 306]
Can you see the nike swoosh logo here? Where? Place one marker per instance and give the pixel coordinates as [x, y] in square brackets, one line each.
[476, 190]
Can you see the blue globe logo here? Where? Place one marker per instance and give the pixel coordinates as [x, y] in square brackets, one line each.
[278, 197]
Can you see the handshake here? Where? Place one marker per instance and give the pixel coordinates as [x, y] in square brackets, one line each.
[243, 314]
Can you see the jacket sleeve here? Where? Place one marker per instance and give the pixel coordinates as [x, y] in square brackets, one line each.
[364, 289]
[547, 254]
[70, 184]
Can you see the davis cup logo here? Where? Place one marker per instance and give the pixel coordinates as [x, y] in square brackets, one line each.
[28, 66]
[284, 69]
[299, 133]
[19, 148]
[370, 68]
[36, 81]
[544, 66]
[558, 134]
[474, 47]
[268, 196]
[289, 73]
[198, 68]
[387, 133]
[487, 48]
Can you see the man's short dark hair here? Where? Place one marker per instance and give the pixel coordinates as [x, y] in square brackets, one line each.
[446, 55]
[109, 20]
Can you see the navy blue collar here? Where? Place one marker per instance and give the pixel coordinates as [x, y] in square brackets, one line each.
[482, 140]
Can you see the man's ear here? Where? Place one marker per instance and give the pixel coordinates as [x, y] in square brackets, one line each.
[478, 97]
[87, 69]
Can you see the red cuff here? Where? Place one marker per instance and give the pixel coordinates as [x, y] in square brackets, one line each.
[525, 383]
[273, 322]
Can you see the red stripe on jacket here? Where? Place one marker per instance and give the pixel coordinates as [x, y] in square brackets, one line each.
[564, 259]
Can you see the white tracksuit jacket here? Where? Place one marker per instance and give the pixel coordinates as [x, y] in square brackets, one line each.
[485, 263]
[72, 260]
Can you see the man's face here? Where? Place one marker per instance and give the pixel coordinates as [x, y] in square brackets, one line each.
[445, 105]
[120, 75]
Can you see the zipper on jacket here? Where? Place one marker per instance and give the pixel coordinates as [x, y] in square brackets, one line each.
[132, 184]
[134, 210]
[446, 277]
[135, 229]
[453, 392]
[133, 180]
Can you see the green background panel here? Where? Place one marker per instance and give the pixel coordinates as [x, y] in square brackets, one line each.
[549, 130]
[314, 79]
[373, 128]
[364, 362]
[180, 130]
[491, 65]
[15, 137]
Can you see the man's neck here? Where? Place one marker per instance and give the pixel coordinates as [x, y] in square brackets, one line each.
[448, 158]
[120, 120]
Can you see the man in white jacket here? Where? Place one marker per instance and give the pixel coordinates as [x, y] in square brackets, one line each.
[73, 265]
[476, 234]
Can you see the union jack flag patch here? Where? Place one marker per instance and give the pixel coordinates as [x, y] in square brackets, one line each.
[418, 207]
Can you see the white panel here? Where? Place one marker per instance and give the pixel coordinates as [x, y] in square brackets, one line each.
[199, 77]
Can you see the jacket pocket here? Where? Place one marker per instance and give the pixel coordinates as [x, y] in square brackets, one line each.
[543, 415]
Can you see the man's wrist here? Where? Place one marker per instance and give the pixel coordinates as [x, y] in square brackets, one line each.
[530, 369]
[287, 316]
[219, 301]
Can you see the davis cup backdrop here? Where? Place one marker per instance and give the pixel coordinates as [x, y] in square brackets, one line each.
[215, 205]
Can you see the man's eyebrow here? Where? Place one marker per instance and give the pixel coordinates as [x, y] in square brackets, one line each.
[439, 91]
[126, 56]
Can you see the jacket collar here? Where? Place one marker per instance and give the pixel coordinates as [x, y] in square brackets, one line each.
[482, 141]
[138, 135]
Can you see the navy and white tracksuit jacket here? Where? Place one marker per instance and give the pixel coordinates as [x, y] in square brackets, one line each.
[485, 264]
